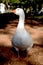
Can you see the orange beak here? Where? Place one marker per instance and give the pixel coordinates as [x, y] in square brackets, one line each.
[14, 11]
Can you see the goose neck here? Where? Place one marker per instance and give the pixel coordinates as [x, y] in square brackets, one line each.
[21, 22]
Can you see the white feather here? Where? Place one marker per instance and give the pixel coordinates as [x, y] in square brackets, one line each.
[21, 39]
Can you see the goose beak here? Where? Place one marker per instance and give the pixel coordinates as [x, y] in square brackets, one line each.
[13, 11]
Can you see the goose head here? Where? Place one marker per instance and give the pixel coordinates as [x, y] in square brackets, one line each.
[19, 12]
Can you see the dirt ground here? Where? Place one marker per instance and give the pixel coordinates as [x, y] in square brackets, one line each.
[8, 57]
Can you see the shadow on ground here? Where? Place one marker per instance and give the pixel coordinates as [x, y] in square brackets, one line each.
[9, 56]
[6, 55]
[5, 18]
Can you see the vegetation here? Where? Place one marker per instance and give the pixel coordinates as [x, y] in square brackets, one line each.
[31, 2]
[36, 3]
[29, 6]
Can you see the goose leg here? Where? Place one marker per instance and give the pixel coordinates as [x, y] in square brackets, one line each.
[26, 58]
[18, 56]
[23, 55]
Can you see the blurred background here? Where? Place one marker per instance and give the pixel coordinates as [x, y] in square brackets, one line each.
[34, 25]
[32, 8]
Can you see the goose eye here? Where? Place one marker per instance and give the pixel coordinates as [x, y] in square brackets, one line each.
[18, 9]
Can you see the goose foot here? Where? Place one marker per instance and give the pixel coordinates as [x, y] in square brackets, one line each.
[23, 56]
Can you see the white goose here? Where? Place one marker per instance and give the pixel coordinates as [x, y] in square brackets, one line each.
[21, 39]
[40, 11]
[2, 8]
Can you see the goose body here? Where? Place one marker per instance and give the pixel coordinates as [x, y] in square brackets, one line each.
[21, 39]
